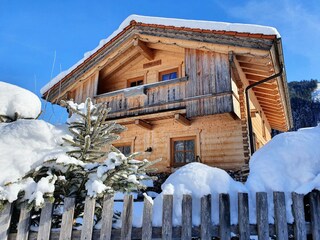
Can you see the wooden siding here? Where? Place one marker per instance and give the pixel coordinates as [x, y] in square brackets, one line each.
[219, 140]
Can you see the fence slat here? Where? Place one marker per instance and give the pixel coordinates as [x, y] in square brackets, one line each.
[126, 217]
[147, 220]
[67, 219]
[262, 215]
[24, 222]
[298, 214]
[45, 221]
[224, 216]
[5, 219]
[167, 217]
[205, 217]
[107, 215]
[280, 215]
[87, 226]
[186, 231]
[315, 214]
[243, 216]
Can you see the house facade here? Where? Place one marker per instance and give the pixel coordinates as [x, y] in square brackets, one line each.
[179, 88]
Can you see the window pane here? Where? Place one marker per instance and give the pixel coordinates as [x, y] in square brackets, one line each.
[179, 157]
[126, 150]
[190, 145]
[140, 82]
[190, 157]
[173, 75]
[133, 84]
[178, 146]
[165, 77]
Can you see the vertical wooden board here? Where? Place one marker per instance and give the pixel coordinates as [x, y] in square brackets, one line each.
[126, 217]
[147, 220]
[199, 73]
[205, 232]
[186, 231]
[213, 70]
[45, 221]
[224, 217]
[107, 215]
[225, 72]
[87, 226]
[167, 217]
[5, 220]
[315, 214]
[206, 73]
[24, 223]
[262, 215]
[280, 217]
[243, 216]
[299, 227]
[67, 219]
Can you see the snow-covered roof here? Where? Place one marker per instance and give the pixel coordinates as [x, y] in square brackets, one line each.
[192, 24]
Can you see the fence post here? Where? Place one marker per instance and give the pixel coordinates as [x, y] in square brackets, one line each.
[186, 231]
[24, 222]
[243, 216]
[147, 219]
[107, 216]
[5, 219]
[262, 215]
[87, 226]
[298, 214]
[67, 219]
[315, 214]
[205, 217]
[167, 217]
[126, 217]
[280, 217]
[45, 221]
[224, 216]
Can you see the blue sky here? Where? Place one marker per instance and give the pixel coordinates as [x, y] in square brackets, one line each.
[33, 32]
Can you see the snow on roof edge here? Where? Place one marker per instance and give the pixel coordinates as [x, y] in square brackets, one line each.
[208, 25]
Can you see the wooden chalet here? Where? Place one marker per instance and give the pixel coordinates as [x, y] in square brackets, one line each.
[178, 86]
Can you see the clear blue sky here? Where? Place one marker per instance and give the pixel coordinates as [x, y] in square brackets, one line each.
[32, 31]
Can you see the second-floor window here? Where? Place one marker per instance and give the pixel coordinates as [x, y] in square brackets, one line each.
[169, 74]
[135, 82]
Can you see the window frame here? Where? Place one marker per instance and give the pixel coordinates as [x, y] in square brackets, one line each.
[135, 79]
[172, 150]
[171, 70]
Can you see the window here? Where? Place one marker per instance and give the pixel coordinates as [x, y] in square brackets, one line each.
[135, 82]
[125, 149]
[183, 151]
[169, 74]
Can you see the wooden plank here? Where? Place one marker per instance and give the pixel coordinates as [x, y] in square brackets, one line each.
[87, 226]
[298, 214]
[205, 217]
[126, 217]
[262, 215]
[67, 219]
[167, 217]
[243, 216]
[147, 220]
[315, 214]
[280, 217]
[182, 120]
[186, 231]
[24, 222]
[107, 215]
[224, 216]
[143, 124]
[5, 220]
[45, 221]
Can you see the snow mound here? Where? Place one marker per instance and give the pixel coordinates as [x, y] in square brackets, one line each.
[25, 144]
[197, 180]
[208, 25]
[16, 100]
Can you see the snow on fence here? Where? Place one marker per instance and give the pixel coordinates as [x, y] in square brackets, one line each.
[299, 229]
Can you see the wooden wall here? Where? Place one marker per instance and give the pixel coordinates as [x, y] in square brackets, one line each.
[219, 140]
[86, 88]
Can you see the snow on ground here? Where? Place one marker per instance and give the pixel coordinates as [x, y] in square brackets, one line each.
[14, 99]
[316, 93]
[208, 25]
[25, 144]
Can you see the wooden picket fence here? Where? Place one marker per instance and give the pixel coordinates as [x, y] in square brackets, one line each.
[280, 229]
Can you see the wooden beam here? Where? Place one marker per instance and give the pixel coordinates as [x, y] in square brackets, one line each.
[182, 120]
[143, 124]
[144, 49]
[256, 67]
